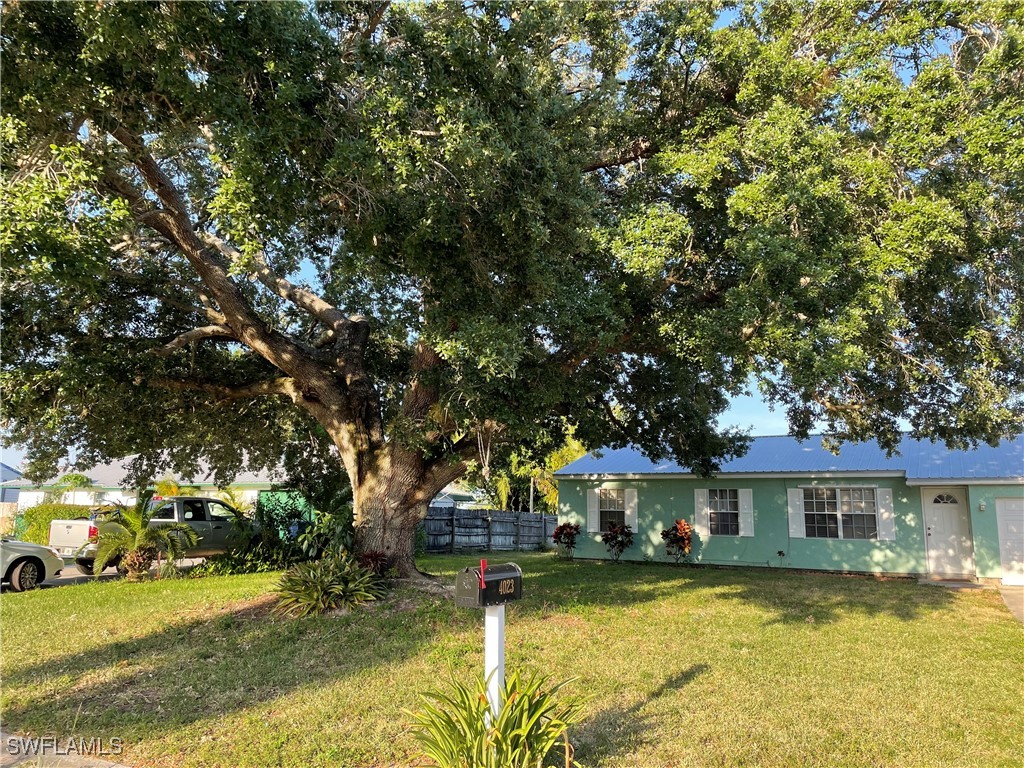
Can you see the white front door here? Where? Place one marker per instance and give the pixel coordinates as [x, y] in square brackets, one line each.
[947, 528]
[1010, 518]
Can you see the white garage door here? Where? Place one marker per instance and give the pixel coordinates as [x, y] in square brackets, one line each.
[1010, 516]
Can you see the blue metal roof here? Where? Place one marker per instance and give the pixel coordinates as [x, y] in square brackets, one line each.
[918, 459]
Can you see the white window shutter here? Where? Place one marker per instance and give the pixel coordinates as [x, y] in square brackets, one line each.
[631, 508]
[701, 518]
[886, 519]
[746, 512]
[593, 510]
[797, 529]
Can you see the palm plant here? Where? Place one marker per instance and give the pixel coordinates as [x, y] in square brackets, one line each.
[127, 536]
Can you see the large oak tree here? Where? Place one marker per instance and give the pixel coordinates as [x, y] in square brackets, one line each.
[411, 234]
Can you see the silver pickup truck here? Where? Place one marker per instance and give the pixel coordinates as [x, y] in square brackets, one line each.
[212, 520]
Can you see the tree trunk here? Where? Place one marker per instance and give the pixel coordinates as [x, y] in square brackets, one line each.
[390, 530]
[391, 499]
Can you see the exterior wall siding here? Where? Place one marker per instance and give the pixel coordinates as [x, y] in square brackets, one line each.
[984, 525]
[662, 501]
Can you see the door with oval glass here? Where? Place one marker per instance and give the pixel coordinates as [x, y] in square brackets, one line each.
[947, 527]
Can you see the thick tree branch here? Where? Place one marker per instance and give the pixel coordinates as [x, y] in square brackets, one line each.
[640, 149]
[283, 386]
[300, 296]
[196, 334]
[340, 405]
[375, 20]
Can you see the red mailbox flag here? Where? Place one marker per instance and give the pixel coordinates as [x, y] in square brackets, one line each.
[483, 567]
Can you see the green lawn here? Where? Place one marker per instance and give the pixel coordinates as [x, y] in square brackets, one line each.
[680, 667]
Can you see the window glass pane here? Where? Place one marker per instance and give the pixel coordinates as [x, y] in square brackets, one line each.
[219, 511]
[194, 510]
[165, 512]
[613, 499]
[609, 516]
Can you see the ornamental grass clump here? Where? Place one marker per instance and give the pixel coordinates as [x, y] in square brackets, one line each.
[678, 540]
[333, 582]
[565, 538]
[617, 539]
[459, 730]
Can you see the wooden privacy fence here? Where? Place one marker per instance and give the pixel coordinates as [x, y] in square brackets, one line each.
[451, 530]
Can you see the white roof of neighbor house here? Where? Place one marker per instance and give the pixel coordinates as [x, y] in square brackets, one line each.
[917, 460]
[111, 476]
[455, 493]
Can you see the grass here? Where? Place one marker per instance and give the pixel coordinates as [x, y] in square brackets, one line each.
[679, 666]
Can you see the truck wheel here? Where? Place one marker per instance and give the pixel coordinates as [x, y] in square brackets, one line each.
[84, 567]
[26, 575]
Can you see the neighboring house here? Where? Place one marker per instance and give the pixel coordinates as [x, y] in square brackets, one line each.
[107, 487]
[8, 495]
[454, 495]
[925, 511]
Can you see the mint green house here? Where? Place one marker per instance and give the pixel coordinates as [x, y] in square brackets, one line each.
[926, 511]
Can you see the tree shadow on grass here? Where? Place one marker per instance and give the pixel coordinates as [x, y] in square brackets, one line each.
[619, 730]
[825, 598]
[784, 597]
[231, 660]
[206, 668]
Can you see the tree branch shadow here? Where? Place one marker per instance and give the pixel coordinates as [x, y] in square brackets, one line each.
[618, 730]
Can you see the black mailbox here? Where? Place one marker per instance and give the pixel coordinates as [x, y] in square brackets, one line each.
[499, 584]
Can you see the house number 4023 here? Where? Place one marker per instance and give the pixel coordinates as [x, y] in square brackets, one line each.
[507, 587]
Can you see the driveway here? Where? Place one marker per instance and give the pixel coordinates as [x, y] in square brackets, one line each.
[1014, 599]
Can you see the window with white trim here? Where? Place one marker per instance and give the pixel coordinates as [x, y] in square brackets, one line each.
[612, 507]
[724, 512]
[840, 513]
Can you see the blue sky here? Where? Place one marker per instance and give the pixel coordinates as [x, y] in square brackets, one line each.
[751, 414]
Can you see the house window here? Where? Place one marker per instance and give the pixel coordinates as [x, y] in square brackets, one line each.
[945, 498]
[612, 507]
[840, 513]
[724, 512]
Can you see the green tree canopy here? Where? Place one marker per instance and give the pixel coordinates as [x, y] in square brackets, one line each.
[399, 235]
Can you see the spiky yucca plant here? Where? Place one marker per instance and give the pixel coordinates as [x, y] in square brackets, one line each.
[459, 730]
[128, 536]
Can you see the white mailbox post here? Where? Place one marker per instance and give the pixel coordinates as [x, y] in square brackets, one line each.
[490, 589]
[494, 654]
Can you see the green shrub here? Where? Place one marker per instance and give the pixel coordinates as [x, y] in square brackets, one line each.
[276, 520]
[35, 522]
[257, 559]
[335, 581]
[458, 730]
[328, 532]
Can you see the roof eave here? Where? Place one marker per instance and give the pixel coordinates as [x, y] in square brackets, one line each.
[918, 481]
[729, 475]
